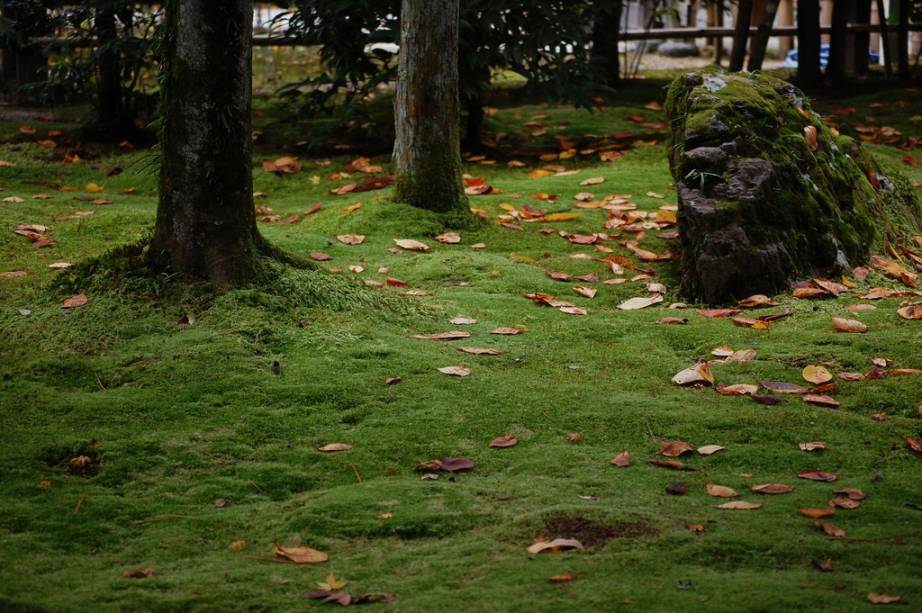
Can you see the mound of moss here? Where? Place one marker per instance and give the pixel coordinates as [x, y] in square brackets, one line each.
[768, 192]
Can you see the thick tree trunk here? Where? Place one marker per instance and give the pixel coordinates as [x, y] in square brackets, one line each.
[808, 43]
[838, 43]
[902, 53]
[862, 39]
[760, 44]
[427, 149]
[740, 35]
[606, 30]
[206, 225]
[109, 104]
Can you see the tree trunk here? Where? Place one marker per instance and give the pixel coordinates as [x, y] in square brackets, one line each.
[902, 53]
[206, 224]
[109, 108]
[838, 43]
[24, 64]
[427, 148]
[760, 44]
[862, 39]
[740, 35]
[808, 43]
[606, 30]
[885, 38]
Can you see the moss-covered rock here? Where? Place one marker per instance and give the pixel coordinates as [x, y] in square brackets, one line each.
[768, 192]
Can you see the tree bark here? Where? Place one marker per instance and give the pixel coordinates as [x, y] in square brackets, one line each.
[902, 52]
[206, 224]
[740, 35]
[760, 44]
[885, 38]
[862, 39]
[110, 112]
[606, 30]
[427, 148]
[838, 43]
[808, 43]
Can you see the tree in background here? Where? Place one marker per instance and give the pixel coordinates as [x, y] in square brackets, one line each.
[427, 149]
[740, 35]
[206, 224]
[25, 64]
[808, 43]
[606, 29]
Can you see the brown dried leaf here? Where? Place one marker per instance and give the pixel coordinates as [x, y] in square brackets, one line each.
[881, 598]
[720, 491]
[554, 546]
[740, 505]
[139, 573]
[335, 447]
[453, 335]
[812, 446]
[480, 350]
[699, 374]
[623, 459]
[814, 474]
[75, 301]
[412, 245]
[674, 449]
[840, 324]
[821, 400]
[504, 441]
[771, 488]
[351, 239]
[301, 555]
[833, 530]
[455, 371]
[817, 513]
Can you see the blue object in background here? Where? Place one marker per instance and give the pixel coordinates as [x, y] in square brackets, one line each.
[791, 60]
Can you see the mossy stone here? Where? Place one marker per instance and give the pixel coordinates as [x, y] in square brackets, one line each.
[762, 203]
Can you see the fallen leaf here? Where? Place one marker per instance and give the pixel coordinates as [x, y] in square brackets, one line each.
[504, 441]
[766, 399]
[554, 546]
[740, 505]
[699, 374]
[75, 301]
[92, 188]
[771, 488]
[757, 301]
[640, 303]
[882, 598]
[623, 459]
[139, 573]
[720, 491]
[710, 449]
[852, 493]
[392, 380]
[674, 449]
[737, 389]
[320, 256]
[676, 321]
[914, 443]
[335, 447]
[677, 489]
[841, 324]
[480, 350]
[412, 245]
[449, 238]
[815, 474]
[505, 331]
[561, 578]
[716, 313]
[814, 513]
[573, 437]
[911, 311]
[833, 530]
[351, 239]
[453, 335]
[238, 545]
[821, 400]
[588, 292]
[450, 465]
[812, 446]
[672, 465]
[592, 181]
[455, 371]
[301, 555]
[844, 503]
[816, 374]
[781, 387]
[697, 528]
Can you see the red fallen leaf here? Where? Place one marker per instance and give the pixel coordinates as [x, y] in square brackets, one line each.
[832, 530]
[623, 459]
[766, 399]
[75, 301]
[813, 513]
[718, 312]
[772, 488]
[782, 387]
[539, 298]
[504, 441]
[914, 443]
[319, 256]
[442, 336]
[909, 160]
[312, 210]
[844, 503]
[814, 474]
[810, 292]
[329, 447]
[831, 286]
[394, 282]
[561, 578]
[139, 573]
[449, 465]
[674, 449]
[558, 276]
[301, 555]
[840, 324]
[672, 465]
[852, 493]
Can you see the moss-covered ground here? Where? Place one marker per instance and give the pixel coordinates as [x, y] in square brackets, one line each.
[232, 407]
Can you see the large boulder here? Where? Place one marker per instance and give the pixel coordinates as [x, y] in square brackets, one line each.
[768, 192]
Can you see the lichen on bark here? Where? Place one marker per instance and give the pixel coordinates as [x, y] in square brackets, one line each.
[761, 203]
